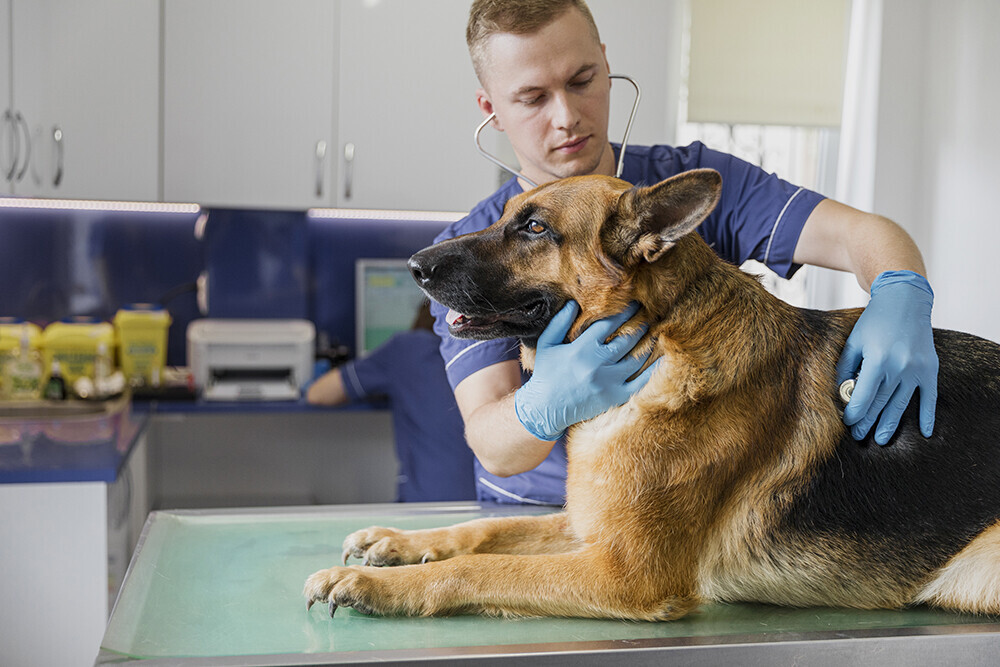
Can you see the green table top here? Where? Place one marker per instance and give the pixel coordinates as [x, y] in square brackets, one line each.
[229, 583]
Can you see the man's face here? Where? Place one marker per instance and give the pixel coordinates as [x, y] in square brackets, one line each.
[550, 91]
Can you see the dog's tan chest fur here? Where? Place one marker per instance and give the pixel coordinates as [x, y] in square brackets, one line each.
[593, 489]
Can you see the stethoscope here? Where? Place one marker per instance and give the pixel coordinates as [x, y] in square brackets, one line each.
[621, 154]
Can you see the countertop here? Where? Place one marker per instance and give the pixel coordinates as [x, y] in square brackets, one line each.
[80, 441]
[69, 441]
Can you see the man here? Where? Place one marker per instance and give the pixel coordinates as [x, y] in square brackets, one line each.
[544, 73]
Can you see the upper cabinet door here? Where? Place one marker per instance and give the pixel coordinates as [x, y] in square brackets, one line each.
[7, 145]
[408, 108]
[249, 98]
[86, 84]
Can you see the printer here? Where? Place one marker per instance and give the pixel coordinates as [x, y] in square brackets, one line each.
[250, 360]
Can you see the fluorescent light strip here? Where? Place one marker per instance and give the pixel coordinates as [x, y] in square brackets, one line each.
[378, 214]
[91, 205]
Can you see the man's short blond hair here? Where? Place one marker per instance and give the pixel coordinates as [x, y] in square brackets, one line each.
[518, 17]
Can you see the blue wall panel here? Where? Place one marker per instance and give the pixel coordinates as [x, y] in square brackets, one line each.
[57, 263]
[335, 245]
[60, 263]
[257, 264]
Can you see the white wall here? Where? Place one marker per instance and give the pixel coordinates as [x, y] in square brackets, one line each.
[938, 153]
[644, 40]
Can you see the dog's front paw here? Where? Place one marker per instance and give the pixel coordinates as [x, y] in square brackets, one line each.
[387, 547]
[362, 589]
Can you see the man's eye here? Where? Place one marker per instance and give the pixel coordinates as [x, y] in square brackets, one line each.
[582, 84]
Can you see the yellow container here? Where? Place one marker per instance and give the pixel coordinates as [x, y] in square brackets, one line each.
[10, 335]
[75, 343]
[142, 339]
[11, 331]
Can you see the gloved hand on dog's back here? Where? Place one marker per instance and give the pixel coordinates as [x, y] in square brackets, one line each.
[893, 344]
[576, 381]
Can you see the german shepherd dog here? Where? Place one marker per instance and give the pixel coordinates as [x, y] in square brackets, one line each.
[730, 476]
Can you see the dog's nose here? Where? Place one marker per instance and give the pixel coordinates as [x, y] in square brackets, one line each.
[421, 269]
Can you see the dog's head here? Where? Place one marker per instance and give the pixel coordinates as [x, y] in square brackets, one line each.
[585, 238]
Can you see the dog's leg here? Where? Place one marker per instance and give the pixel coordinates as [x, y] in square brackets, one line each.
[970, 582]
[546, 534]
[590, 582]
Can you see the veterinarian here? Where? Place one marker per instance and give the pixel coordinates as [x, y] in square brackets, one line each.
[544, 73]
[434, 461]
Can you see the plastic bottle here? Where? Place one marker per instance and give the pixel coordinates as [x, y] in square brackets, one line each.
[55, 388]
[102, 363]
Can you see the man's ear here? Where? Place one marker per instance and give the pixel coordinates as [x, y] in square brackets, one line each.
[648, 221]
[486, 106]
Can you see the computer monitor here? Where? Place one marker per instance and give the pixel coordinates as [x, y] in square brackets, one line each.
[386, 301]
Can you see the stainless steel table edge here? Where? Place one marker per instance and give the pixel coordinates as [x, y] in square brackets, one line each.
[955, 646]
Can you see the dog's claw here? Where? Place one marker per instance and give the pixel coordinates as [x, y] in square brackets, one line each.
[333, 608]
[426, 558]
[346, 555]
[309, 604]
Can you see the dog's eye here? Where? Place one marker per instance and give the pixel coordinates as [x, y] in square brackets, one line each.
[536, 227]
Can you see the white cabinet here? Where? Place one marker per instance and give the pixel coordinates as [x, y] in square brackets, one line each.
[84, 97]
[14, 133]
[261, 98]
[407, 97]
[249, 102]
[252, 103]
[407, 105]
[66, 546]
[103, 96]
[7, 130]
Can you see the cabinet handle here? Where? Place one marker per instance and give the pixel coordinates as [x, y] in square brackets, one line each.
[15, 143]
[320, 160]
[348, 169]
[27, 146]
[57, 140]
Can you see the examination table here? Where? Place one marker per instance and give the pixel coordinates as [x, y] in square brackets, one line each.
[225, 588]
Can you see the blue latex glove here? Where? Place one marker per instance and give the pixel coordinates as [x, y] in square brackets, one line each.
[893, 344]
[573, 382]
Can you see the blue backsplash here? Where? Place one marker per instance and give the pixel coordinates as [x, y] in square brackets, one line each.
[257, 264]
[56, 263]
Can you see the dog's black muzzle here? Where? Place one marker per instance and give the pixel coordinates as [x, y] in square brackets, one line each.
[455, 274]
[436, 268]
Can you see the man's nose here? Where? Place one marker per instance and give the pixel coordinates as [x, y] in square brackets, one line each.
[565, 115]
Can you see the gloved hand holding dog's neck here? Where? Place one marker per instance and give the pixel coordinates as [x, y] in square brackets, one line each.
[576, 381]
[893, 344]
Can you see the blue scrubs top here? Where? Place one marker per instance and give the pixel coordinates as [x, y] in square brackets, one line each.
[435, 463]
[759, 216]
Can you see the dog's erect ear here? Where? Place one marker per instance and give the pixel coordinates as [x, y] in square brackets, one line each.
[649, 221]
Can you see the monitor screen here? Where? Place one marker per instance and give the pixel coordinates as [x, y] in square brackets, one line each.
[386, 301]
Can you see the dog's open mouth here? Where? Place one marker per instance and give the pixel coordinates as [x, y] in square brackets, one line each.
[526, 320]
